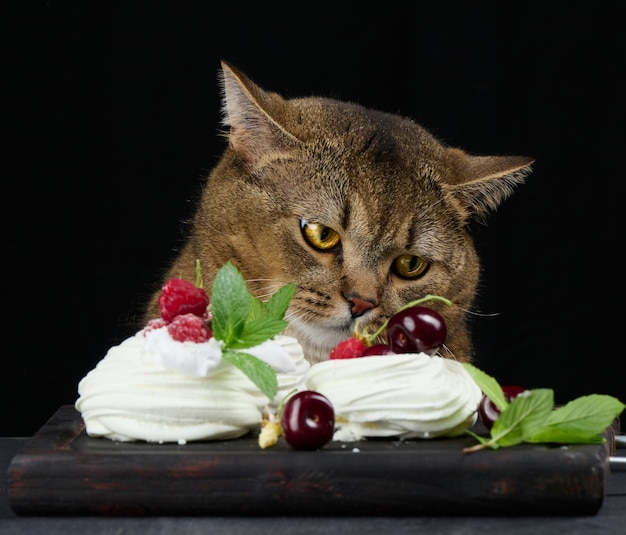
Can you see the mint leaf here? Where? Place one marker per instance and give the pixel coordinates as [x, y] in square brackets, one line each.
[564, 436]
[522, 417]
[580, 420]
[259, 372]
[279, 302]
[484, 442]
[258, 331]
[276, 306]
[488, 385]
[530, 417]
[230, 302]
[257, 310]
[241, 321]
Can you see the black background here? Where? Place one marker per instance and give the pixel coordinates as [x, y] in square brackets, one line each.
[110, 119]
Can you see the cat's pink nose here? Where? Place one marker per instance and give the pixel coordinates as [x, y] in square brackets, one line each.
[359, 305]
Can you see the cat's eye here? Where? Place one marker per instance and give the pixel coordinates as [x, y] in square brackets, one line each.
[410, 266]
[319, 236]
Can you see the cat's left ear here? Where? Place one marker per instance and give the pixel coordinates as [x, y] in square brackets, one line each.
[477, 185]
[253, 117]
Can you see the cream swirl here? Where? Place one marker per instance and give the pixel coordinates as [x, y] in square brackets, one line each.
[133, 395]
[404, 395]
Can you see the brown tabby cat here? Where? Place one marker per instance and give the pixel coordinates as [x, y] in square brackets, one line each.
[363, 210]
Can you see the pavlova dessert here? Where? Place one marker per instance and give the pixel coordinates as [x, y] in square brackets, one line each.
[402, 388]
[219, 368]
[198, 372]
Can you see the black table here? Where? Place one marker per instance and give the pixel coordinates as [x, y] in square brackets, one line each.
[610, 519]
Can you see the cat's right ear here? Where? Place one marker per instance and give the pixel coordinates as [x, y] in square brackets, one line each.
[251, 116]
[479, 184]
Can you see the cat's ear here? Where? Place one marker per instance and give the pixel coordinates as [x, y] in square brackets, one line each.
[477, 185]
[252, 117]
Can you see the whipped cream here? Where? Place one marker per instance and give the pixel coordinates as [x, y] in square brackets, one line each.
[404, 396]
[141, 392]
[203, 358]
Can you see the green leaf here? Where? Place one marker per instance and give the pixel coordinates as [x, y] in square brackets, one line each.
[241, 321]
[276, 306]
[579, 421]
[483, 440]
[258, 331]
[488, 385]
[279, 302]
[588, 414]
[523, 417]
[259, 372]
[257, 310]
[230, 302]
[564, 436]
[531, 417]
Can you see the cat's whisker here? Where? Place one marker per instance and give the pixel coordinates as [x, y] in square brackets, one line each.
[449, 354]
[304, 316]
[262, 293]
[267, 290]
[274, 281]
[481, 314]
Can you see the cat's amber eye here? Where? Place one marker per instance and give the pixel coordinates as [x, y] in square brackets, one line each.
[410, 266]
[319, 236]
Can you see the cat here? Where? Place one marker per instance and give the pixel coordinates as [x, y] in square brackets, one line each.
[363, 210]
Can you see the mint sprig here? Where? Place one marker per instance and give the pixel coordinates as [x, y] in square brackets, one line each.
[240, 321]
[531, 416]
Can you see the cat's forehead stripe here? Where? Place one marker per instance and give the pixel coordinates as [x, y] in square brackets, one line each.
[370, 223]
[345, 220]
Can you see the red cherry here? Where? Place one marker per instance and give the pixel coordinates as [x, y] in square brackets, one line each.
[416, 330]
[307, 420]
[489, 412]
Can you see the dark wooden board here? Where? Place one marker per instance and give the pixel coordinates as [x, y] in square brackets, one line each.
[62, 471]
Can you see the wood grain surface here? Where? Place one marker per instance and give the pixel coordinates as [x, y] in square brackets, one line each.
[62, 471]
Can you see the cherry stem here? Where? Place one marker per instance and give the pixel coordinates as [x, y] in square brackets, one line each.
[476, 447]
[199, 283]
[282, 401]
[483, 443]
[370, 338]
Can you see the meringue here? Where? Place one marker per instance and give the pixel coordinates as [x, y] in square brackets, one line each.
[404, 395]
[155, 389]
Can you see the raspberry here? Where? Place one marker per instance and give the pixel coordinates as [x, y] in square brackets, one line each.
[155, 324]
[349, 348]
[179, 297]
[189, 327]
